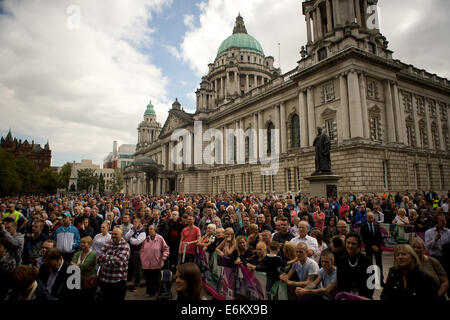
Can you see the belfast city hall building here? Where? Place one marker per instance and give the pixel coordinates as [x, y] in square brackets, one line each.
[388, 121]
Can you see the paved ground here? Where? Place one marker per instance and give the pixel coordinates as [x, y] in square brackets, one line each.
[139, 293]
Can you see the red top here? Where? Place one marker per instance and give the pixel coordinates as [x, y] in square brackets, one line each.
[188, 235]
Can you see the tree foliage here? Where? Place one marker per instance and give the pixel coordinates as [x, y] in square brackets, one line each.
[117, 183]
[101, 184]
[86, 180]
[64, 175]
[19, 176]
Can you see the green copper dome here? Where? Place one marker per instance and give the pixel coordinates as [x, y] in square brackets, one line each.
[150, 110]
[144, 161]
[240, 39]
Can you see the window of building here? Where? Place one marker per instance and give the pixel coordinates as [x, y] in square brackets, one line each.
[386, 174]
[289, 179]
[420, 104]
[372, 48]
[322, 53]
[423, 133]
[248, 58]
[242, 58]
[295, 131]
[270, 127]
[331, 129]
[432, 108]
[375, 125]
[416, 176]
[444, 111]
[446, 137]
[435, 136]
[372, 89]
[328, 92]
[429, 174]
[410, 132]
[298, 179]
[407, 101]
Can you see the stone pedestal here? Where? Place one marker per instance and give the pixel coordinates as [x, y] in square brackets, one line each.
[324, 185]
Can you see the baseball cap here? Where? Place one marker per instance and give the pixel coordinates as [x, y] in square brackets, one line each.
[66, 214]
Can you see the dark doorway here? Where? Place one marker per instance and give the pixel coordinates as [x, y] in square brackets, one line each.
[171, 185]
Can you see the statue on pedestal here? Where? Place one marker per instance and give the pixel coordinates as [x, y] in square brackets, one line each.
[323, 147]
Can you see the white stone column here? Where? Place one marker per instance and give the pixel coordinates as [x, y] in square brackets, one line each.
[354, 101]
[222, 88]
[389, 112]
[337, 12]
[315, 29]
[260, 137]
[163, 156]
[358, 12]
[364, 21]
[329, 19]
[319, 23]
[311, 115]
[345, 120]
[399, 116]
[440, 133]
[283, 131]
[352, 11]
[216, 89]
[278, 124]
[416, 120]
[247, 87]
[255, 137]
[170, 163]
[303, 118]
[308, 26]
[428, 122]
[227, 84]
[365, 112]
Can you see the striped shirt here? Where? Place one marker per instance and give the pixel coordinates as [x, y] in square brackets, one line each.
[114, 261]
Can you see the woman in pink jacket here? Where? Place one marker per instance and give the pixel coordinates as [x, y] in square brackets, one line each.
[154, 252]
[344, 207]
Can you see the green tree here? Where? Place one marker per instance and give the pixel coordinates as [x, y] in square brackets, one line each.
[86, 180]
[48, 181]
[10, 182]
[29, 175]
[101, 184]
[117, 182]
[64, 176]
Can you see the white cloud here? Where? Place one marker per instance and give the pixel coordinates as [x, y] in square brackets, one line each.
[416, 38]
[189, 21]
[174, 51]
[80, 88]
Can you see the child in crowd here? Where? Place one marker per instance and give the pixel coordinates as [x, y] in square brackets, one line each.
[272, 265]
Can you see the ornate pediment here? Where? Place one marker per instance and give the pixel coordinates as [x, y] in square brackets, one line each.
[174, 121]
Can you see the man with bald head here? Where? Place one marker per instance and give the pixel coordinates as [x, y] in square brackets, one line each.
[303, 237]
[372, 238]
[342, 229]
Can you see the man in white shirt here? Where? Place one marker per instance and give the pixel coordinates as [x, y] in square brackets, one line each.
[303, 229]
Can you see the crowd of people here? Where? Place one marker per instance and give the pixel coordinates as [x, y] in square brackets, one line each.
[320, 248]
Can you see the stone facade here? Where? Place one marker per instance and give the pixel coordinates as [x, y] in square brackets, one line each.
[388, 121]
[41, 157]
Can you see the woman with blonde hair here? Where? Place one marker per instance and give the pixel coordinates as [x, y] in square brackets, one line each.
[101, 238]
[406, 281]
[86, 260]
[401, 219]
[431, 266]
[227, 247]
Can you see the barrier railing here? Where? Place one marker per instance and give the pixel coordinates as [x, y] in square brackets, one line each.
[227, 281]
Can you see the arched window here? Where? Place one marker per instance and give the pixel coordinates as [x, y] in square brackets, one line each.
[270, 127]
[295, 131]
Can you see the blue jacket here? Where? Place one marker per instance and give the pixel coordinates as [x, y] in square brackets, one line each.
[361, 217]
[67, 239]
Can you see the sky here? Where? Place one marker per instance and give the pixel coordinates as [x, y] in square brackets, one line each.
[80, 73]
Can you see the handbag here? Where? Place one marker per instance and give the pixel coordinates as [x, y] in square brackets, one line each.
[90, 283]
